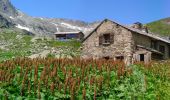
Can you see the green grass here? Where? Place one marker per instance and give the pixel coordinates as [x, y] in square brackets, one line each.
[15, 47]
[157, 75]
[71, 43]
[159, 27]
[18, 44]
[6, 55]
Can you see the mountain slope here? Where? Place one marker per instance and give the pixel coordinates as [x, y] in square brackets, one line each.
[161, 27]
[41, 26]
[4, 23]
[48, 26]
[7, 8]
[9, 15]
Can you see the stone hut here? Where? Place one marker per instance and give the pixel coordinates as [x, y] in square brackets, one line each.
[64, 36]
[111, 40]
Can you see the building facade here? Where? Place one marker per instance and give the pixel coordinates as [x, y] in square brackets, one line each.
[111, 40]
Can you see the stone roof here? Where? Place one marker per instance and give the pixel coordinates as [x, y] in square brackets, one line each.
[151, 35]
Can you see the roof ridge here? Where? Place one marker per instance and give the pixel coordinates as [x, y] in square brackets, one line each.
[131, 29]
[94, 29]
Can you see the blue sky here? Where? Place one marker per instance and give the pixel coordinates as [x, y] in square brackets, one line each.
[123, 11]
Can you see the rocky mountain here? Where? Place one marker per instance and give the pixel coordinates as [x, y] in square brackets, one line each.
[40, 26]
[4, 23]
[161, 27]
[7, 8]
[11, 17]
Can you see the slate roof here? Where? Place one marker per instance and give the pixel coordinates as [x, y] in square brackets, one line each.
[151, 35]
[76, 32]
[150, 49]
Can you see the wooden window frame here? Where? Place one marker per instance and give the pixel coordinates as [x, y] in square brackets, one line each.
[106, 39]
[169, 51]
[162, 48]
[154, 44]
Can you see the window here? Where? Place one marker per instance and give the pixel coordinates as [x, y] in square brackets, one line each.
[106, 39]
[154, 44]
[162, 48]
[71, 36]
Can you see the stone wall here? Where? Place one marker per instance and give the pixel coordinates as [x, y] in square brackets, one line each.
[141, 40]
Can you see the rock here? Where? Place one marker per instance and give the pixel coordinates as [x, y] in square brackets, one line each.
[18, 37]
[42, 54]
[46, 47]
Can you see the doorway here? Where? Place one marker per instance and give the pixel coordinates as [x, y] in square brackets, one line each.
[120, 58]
[106, 58]
[142, 57]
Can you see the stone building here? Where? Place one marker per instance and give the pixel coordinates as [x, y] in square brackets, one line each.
[111, 40]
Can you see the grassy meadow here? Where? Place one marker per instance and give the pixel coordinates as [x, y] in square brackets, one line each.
[160, 27]
[16, 44]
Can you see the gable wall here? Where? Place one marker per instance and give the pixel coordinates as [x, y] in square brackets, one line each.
[122, 46]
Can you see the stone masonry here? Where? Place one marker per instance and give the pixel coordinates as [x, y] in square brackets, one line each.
[110, 40]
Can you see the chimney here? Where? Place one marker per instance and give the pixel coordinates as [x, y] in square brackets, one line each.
[141, 27]
[137, 25]
[145, 29]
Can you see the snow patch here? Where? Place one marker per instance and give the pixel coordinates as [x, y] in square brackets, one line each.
[41, 18]
[22, 27]
[56, 26]
[71, 26]
[11, 17]
[85, 30]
